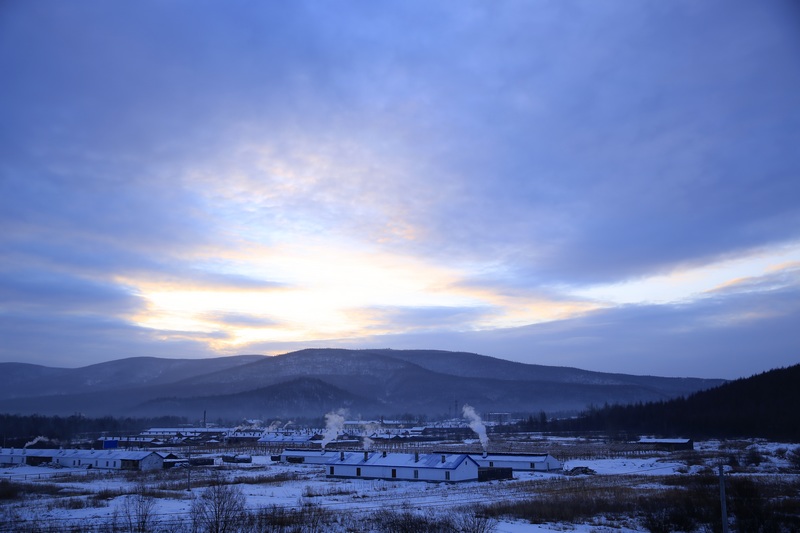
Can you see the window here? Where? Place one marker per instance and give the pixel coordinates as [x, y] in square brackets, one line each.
[358, 471]
[331, 471]
[447, 475]
[106, 463]
[533, 467]
[394, 472]
[416, 474]
[491, 464]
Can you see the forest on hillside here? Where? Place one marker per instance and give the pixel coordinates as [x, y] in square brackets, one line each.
[17, 430]
[764, 405]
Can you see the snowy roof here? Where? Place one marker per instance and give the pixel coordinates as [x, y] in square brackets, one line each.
[281, 437]
[664, 441]
[531, 457]
[310, 453]
[403, 460]
[184, 431]
[82, 454]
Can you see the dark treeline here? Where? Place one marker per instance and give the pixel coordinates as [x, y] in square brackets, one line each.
[764, 405]
[16, 430]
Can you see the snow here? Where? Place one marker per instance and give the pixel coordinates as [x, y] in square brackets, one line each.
[307, 484]
[622, 466]
[525, 527]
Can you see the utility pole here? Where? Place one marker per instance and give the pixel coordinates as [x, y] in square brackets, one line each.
[722, 501]
[188, 470]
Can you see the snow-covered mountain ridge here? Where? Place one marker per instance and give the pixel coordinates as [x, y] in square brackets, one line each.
[369, 382]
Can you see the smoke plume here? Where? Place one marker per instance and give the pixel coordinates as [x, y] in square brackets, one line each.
[334, 424]
[476, 425]
[34, 441]
[369, 429]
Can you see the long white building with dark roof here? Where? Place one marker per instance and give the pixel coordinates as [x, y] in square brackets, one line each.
[450, 468]
[541, 462]
[101, 459]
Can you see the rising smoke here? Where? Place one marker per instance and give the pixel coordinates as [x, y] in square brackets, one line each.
[334, 424]
[34, 441]
[476, 425]
[369, 429]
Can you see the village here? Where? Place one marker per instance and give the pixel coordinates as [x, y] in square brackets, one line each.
[451, 451]
[353, 472]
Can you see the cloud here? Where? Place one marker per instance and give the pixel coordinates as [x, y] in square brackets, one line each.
[418, 319]
[65, 340]
[57, 319]
[49, 291]
[572, 156]
[520, 152]
[240, 319]
[733, 333]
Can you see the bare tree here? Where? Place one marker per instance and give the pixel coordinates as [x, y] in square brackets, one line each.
[138, 510]
[219, 509]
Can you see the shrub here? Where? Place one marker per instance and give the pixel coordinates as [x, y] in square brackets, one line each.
[794, 457]
[409, 522]
[219, 509]
[753, 457]
[470, 521]
[8, 490]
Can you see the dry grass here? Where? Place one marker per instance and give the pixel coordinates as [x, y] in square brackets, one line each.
[684, 503]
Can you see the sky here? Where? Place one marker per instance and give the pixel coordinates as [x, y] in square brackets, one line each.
[612, 186]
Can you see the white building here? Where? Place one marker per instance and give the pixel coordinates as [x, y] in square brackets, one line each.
[272, 438]
[519, 462]
[101, 459]
[308, 457]
[403, 466]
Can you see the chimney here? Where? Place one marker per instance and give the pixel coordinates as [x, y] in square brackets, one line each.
[443, 458]
[341, 456]
[384, 453]
[416, 457]
[366, 456]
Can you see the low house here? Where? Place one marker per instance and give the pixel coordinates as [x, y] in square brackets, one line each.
[273, 438]
[309, 457]
[403, 466]
[519, 461]
[244, 435]
[11, 457]
[101, 459]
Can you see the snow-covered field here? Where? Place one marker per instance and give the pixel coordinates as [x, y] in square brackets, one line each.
[100, 500]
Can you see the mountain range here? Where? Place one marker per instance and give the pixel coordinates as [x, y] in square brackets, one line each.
[310, 383]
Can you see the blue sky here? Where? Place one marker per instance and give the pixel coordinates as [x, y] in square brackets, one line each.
[608, 185]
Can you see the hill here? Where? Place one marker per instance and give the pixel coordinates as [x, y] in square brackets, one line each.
[367, 382]
[764, 405]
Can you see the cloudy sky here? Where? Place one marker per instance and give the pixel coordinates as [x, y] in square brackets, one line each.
[608, 185]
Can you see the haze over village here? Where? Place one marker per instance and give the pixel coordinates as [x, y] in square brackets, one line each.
[328, 264]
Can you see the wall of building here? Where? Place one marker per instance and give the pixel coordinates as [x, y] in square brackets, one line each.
[465, 471]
